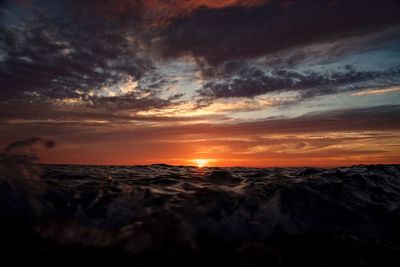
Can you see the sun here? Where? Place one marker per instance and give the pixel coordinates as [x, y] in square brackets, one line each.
[201, 162]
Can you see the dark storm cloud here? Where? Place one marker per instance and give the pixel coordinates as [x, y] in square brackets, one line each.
[55, 50]
[253, 82]
[66, 49]
[219, 35]
[57, 69]
[320, 53]
[61, 49]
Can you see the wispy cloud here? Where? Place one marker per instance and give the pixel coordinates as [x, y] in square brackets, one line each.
[377, 91]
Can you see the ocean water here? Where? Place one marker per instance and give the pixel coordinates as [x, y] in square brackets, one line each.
[146, 215]
[187, 216]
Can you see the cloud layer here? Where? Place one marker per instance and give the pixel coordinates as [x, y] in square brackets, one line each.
[199, 67]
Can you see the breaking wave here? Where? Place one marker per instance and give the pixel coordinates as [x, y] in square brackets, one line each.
[21, 188]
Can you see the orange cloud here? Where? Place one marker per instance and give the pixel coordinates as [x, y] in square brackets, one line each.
[159, 13]
[162, 12]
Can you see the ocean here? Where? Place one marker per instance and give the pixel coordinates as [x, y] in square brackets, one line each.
[181, 215]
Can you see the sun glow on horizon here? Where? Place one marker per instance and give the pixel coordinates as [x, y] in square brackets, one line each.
[201, 162]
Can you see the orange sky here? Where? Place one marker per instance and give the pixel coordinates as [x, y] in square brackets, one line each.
[182, 145]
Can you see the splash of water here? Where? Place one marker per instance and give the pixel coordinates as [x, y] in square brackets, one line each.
[21, 188]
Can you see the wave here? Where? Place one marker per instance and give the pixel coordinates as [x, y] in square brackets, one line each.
[145, 215]
[21, 187]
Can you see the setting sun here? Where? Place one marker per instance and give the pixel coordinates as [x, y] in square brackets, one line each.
[201, 162]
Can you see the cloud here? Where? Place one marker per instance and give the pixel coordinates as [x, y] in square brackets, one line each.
[90, 52]
[66, 53]
[232, 33]
[253, 82]
[379, 118]
[377, 91]
[55, 55]
[55, 118]
[154, 13]
[355, 135]
[161, 13]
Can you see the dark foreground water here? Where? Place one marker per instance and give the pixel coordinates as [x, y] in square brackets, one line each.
[159, 214]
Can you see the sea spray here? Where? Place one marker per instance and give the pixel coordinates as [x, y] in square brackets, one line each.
[21, 187]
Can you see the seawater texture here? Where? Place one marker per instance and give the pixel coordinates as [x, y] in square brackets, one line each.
[146, 215]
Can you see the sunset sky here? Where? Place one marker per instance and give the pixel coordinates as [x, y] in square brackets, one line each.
[234, 82]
